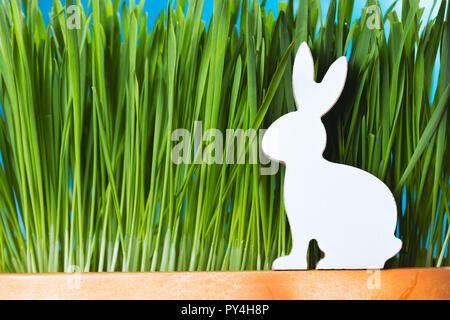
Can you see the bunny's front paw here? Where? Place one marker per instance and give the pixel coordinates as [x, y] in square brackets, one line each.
[289, 263]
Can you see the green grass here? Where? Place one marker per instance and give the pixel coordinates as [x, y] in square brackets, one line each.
[85, 136]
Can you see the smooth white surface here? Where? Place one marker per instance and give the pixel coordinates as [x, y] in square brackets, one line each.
[351, 213]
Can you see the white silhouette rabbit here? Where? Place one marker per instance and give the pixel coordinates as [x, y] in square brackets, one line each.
[350, 212]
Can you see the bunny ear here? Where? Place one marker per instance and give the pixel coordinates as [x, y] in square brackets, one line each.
[303, 73]
[315, 97]
[332, 84]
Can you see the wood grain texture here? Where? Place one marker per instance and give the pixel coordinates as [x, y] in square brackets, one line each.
[258, 285]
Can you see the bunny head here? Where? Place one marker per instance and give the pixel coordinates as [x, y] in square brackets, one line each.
[301, 134]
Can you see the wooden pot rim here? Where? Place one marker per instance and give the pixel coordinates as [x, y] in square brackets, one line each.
[415, 283]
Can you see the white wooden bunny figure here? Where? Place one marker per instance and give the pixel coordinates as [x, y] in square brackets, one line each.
[350, 213]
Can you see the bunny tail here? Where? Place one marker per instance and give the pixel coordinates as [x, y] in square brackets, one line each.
[397, 244]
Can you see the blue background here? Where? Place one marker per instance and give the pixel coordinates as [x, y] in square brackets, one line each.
[154, 7]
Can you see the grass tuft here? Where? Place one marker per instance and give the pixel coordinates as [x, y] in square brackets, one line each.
[86, 176]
